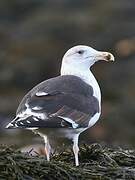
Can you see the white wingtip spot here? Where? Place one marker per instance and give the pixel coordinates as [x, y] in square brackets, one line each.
[16, 125]
[41, 94]
[37, 108]
[28, 122]
[35, 119]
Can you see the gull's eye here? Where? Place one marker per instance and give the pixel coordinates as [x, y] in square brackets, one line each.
[80, 52]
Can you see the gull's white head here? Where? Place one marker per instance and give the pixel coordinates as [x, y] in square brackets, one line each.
[83, 57]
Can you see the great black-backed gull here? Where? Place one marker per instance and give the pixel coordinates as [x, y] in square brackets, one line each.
[65, 105]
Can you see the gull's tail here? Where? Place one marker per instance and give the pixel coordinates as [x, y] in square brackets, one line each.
[12, 125]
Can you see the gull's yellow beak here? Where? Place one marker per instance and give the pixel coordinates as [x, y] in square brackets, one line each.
[106, 56]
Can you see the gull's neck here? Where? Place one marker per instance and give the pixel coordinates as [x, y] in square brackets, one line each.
[85, 75]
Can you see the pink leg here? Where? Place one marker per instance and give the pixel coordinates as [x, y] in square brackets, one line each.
[47, 148]
[76, 149]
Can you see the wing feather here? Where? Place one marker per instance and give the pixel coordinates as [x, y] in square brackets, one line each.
[57, 101]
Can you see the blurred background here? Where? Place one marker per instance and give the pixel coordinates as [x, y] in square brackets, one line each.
[34, 35]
